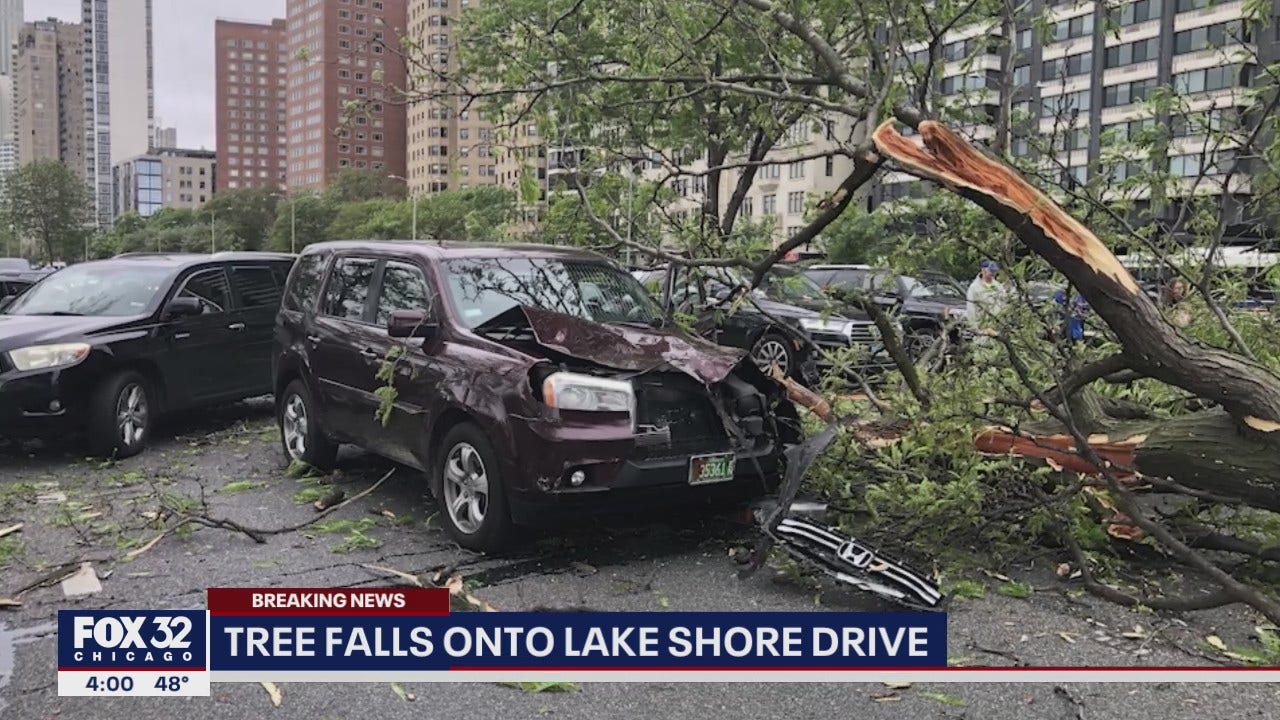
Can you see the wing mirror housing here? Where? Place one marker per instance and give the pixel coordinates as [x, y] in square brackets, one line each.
[410, 324]
[181, 307]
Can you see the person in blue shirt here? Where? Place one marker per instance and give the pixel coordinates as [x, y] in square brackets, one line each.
[1073, 318]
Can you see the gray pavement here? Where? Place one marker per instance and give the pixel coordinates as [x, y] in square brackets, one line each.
[77, 509]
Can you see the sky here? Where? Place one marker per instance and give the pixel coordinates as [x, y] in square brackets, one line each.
[182, 38]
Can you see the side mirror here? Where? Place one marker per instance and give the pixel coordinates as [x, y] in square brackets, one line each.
[410, 324]
[6, 301]
[181, 307]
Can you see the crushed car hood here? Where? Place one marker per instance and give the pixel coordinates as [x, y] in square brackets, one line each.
[632, 348]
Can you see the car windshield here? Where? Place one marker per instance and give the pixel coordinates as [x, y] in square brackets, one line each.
[483, 289]
[93, 289]
[931, 288]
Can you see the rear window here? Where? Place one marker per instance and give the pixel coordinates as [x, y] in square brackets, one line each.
[256, 286]
[348, 289]
[305, 281]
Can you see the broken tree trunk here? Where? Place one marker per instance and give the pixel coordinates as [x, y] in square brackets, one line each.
[1246, 437]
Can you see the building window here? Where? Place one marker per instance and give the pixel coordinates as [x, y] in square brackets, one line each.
[830, 167]
[1075, 27]
[769, 205]
[771, 172]
[1134, 52]
[1126, 93]
[796, 170]
[1136, 12]
[795, 203]
[1211, 36]
[1076, 102]
[1069, 66]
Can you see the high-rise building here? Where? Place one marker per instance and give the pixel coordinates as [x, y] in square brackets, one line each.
[1086, 82]
[49, 94]
[251, 67]
[119, 100]
[164, 137]
[449, 147]
[343, 54]
[167, 178]
[10, 26]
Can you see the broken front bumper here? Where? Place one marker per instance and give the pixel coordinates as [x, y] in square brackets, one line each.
[620, 474]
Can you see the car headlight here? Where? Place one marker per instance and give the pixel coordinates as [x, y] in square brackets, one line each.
[572, 391]
[955, 312]
[826, 325]
[47, 357]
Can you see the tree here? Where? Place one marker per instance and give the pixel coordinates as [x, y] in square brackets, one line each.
[308, 219]
[710, 93]
[48, 203]
[359, 185]
[248, 213]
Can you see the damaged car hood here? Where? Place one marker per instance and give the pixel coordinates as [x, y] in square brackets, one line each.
[632, 348]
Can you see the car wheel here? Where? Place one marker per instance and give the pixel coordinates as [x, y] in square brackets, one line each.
[774, 349]
[121, 414]
[468, 488]
[300, 432]
[920, 341]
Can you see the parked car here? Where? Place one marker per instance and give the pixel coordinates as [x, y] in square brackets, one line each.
[925, 304]
[108, 346]
[530, 382]
[784, 297]
[14, 282]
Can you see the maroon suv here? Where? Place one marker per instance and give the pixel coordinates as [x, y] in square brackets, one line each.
[524, 380]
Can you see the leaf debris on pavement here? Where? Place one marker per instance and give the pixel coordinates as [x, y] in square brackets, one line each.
[542, 687]
[401, 693]
[273, 691]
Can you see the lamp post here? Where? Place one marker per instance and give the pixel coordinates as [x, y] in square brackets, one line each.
[414, 198]
[293, 221]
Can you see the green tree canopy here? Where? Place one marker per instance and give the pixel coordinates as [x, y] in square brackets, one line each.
[48, 203]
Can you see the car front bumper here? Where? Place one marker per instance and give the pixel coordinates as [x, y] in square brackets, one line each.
[34, 404]
[621, 476]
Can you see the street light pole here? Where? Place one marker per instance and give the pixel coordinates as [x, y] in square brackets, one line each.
[413, 197]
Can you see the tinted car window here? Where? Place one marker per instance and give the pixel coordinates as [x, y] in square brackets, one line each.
[348, 288]
[306, 276]
[210, 287]
[105, 288]
[256, 286]
[403, 288]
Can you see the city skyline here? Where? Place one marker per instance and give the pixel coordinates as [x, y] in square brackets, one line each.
[183, 55]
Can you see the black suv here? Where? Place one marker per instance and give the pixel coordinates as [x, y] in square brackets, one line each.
[925, 304]
[531, 383]
[784, 297]
[106, 346]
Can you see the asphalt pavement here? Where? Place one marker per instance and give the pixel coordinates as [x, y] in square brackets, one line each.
[227, 465]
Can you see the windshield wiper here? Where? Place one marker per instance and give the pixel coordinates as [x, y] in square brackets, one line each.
[64, 313]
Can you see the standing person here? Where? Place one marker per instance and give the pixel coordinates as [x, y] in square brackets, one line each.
[986, 298]
[1172, 296]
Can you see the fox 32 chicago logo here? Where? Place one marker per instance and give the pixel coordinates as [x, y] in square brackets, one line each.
[132, 640]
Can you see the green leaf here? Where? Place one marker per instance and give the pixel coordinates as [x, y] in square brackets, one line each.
[1013, 589]
[542, 687]
[945, 699]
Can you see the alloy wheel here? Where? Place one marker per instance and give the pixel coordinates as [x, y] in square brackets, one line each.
[770, 352]
[466, 488]
[132, 414]
[293, 423]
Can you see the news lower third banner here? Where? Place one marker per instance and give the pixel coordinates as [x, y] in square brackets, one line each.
[409, 635]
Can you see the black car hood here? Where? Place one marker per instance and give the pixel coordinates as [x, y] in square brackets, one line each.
[23, 330]
[632, 348]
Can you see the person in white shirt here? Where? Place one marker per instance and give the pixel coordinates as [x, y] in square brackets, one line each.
[986, 297]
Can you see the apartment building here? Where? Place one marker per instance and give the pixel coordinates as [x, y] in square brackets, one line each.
[342, 60]
[119, 98]
[10, 26]
[48, 109]
[1083, 86]
[251, 77]
[164, 137]
[164, 178]
[450, 146]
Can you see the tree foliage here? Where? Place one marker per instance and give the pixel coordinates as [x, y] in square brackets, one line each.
[48, 204]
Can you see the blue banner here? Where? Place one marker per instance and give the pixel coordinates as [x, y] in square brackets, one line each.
[549, 641]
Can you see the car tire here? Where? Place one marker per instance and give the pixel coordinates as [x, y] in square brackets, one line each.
[301, 436]
[122, 411]
[774, 347]
[467, 484]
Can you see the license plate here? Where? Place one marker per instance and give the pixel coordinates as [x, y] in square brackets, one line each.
[707, 469]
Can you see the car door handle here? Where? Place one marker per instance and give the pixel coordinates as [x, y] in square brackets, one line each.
[236, 326]
[181, 335]
[313, 339]
[369, 353]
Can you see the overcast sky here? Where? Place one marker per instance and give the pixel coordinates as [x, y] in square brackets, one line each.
[182, 35]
